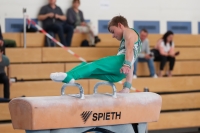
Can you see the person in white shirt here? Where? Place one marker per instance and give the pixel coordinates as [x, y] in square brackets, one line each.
[165, 47]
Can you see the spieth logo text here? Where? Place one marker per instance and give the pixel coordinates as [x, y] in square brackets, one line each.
[100, 116]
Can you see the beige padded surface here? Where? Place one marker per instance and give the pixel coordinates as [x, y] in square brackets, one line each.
[53, 112]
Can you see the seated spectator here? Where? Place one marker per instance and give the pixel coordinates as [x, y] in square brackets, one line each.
[164, 51]
[4, 62]
[53, 20]
[145, 55]
[76, 19]
[2, 42]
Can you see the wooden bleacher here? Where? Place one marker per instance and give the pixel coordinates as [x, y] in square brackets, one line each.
[180, 40]
[175, 120]
[33, 65]
[179, 98]
[175, 101]
[38, 39]
[4, 113]
[24, 55]
[7, 128]
[42, 88]
[39, 55]
[159, 85]
[42, 70]
[89, 54]
[43, 56]
[14, 36]
[35, 71]
[181, 68]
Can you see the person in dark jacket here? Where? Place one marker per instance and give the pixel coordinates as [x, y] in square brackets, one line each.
[53, 20]
[76, 19]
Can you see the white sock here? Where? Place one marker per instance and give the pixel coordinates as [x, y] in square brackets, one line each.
[58, 76]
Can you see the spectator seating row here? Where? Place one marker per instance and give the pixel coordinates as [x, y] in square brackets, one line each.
[42, 70]
[42, 55]
[38, 39]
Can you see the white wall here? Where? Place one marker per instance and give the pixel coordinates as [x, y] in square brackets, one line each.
[158, 10]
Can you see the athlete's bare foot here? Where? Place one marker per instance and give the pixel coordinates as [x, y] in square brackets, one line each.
[125, 90]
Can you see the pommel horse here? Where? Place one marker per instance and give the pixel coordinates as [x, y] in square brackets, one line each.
[79, 113]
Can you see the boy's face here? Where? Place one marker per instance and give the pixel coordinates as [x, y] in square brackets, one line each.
[116, 32]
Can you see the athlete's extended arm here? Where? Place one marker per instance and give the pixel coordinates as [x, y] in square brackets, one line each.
[130, 38]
